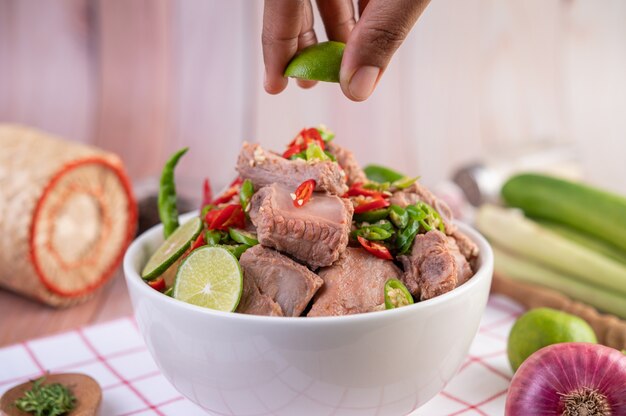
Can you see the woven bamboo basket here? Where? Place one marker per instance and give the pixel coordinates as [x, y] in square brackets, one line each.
[67, 214]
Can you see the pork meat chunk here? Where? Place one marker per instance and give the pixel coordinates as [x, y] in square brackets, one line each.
[354, 284]
[346, 159]
[253, 302]
[264, 168]
[416, 193]
[315, 233]
[435, 266]
[286, 282]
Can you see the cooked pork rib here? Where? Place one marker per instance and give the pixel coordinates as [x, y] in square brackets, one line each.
[253, 302]
[435, 266]
[354, 284]
[287, 283]
[264, 168]
[347, 161]
[316, 233]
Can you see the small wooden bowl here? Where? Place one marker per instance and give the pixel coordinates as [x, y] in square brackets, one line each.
[86, 390]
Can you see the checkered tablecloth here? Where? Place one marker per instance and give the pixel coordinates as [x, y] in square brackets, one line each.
[115, 355]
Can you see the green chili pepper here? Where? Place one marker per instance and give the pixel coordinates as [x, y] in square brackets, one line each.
[167, 195]
[372, 232]
[236, 249]
[315, 152]
[375, 186]
[404, 183]
[243, 237]
[326, 134]
[214, 237]
[372, 216]
[205, 210]
[245, 193]
[382, 174]
[330, 156]
[398, 216]
[427, 216]
[405, 237]
[396, 294]
[301, 155]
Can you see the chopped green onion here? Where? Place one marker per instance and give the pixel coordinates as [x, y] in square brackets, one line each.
[53, 399]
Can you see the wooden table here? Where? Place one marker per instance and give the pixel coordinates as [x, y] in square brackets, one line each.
[22, 319]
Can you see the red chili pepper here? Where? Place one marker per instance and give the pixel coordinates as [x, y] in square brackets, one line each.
[207, 193]
[376, 202]
[229, 194]
[302, 141]
[157, 284]
[295, 149]
[357, 189]
[304, 193]
[198, 243]
[223, 219]
[376, 249]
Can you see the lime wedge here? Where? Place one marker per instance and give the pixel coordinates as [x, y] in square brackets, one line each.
[210, 277]
[319, 62]
[172, 248]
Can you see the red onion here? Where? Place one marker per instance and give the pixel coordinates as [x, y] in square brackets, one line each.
[570, 379]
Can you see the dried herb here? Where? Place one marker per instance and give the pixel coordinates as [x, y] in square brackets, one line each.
[53, 399]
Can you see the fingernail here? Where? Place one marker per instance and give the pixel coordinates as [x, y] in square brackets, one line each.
[363, 82]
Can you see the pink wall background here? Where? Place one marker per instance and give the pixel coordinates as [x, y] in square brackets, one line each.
[144, 77]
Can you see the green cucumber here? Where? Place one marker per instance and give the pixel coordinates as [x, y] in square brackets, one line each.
[576, 205]
[172, 248]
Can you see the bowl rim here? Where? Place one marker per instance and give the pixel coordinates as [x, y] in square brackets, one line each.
[132, 277]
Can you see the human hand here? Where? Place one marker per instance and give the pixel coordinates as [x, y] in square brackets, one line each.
[370, 43]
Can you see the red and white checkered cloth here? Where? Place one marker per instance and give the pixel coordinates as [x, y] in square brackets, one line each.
[115, 355]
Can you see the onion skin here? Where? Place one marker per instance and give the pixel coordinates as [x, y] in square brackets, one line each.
[538, 385]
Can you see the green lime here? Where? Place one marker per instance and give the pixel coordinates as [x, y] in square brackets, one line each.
[541, 327]
[172, 248]
[319, 62]
[210, 277]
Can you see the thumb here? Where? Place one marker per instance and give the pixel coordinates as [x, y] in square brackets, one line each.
[383, 26]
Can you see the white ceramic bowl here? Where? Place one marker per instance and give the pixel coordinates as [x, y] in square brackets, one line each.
[381, 363]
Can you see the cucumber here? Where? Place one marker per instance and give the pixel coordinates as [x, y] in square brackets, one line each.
[579, 206]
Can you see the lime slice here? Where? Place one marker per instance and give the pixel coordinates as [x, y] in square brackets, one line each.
[210, 277]
[172, 248]
[319, 62]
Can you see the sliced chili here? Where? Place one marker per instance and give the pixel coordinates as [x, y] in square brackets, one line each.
[158, 284]
[230, 216]
[301, 142]
[229, 194]
[376, 249]
[373, 203]
[303, 193]
[207, 193]
[198, 243]
[396, 294]
[357, 189]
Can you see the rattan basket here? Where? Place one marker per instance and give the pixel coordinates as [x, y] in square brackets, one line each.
[67, 214]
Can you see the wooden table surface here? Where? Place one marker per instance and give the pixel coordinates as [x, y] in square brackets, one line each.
[22, 319]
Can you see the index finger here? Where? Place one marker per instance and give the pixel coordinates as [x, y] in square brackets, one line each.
[282, 22]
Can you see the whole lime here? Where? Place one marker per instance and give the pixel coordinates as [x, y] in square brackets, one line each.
[541, 327]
